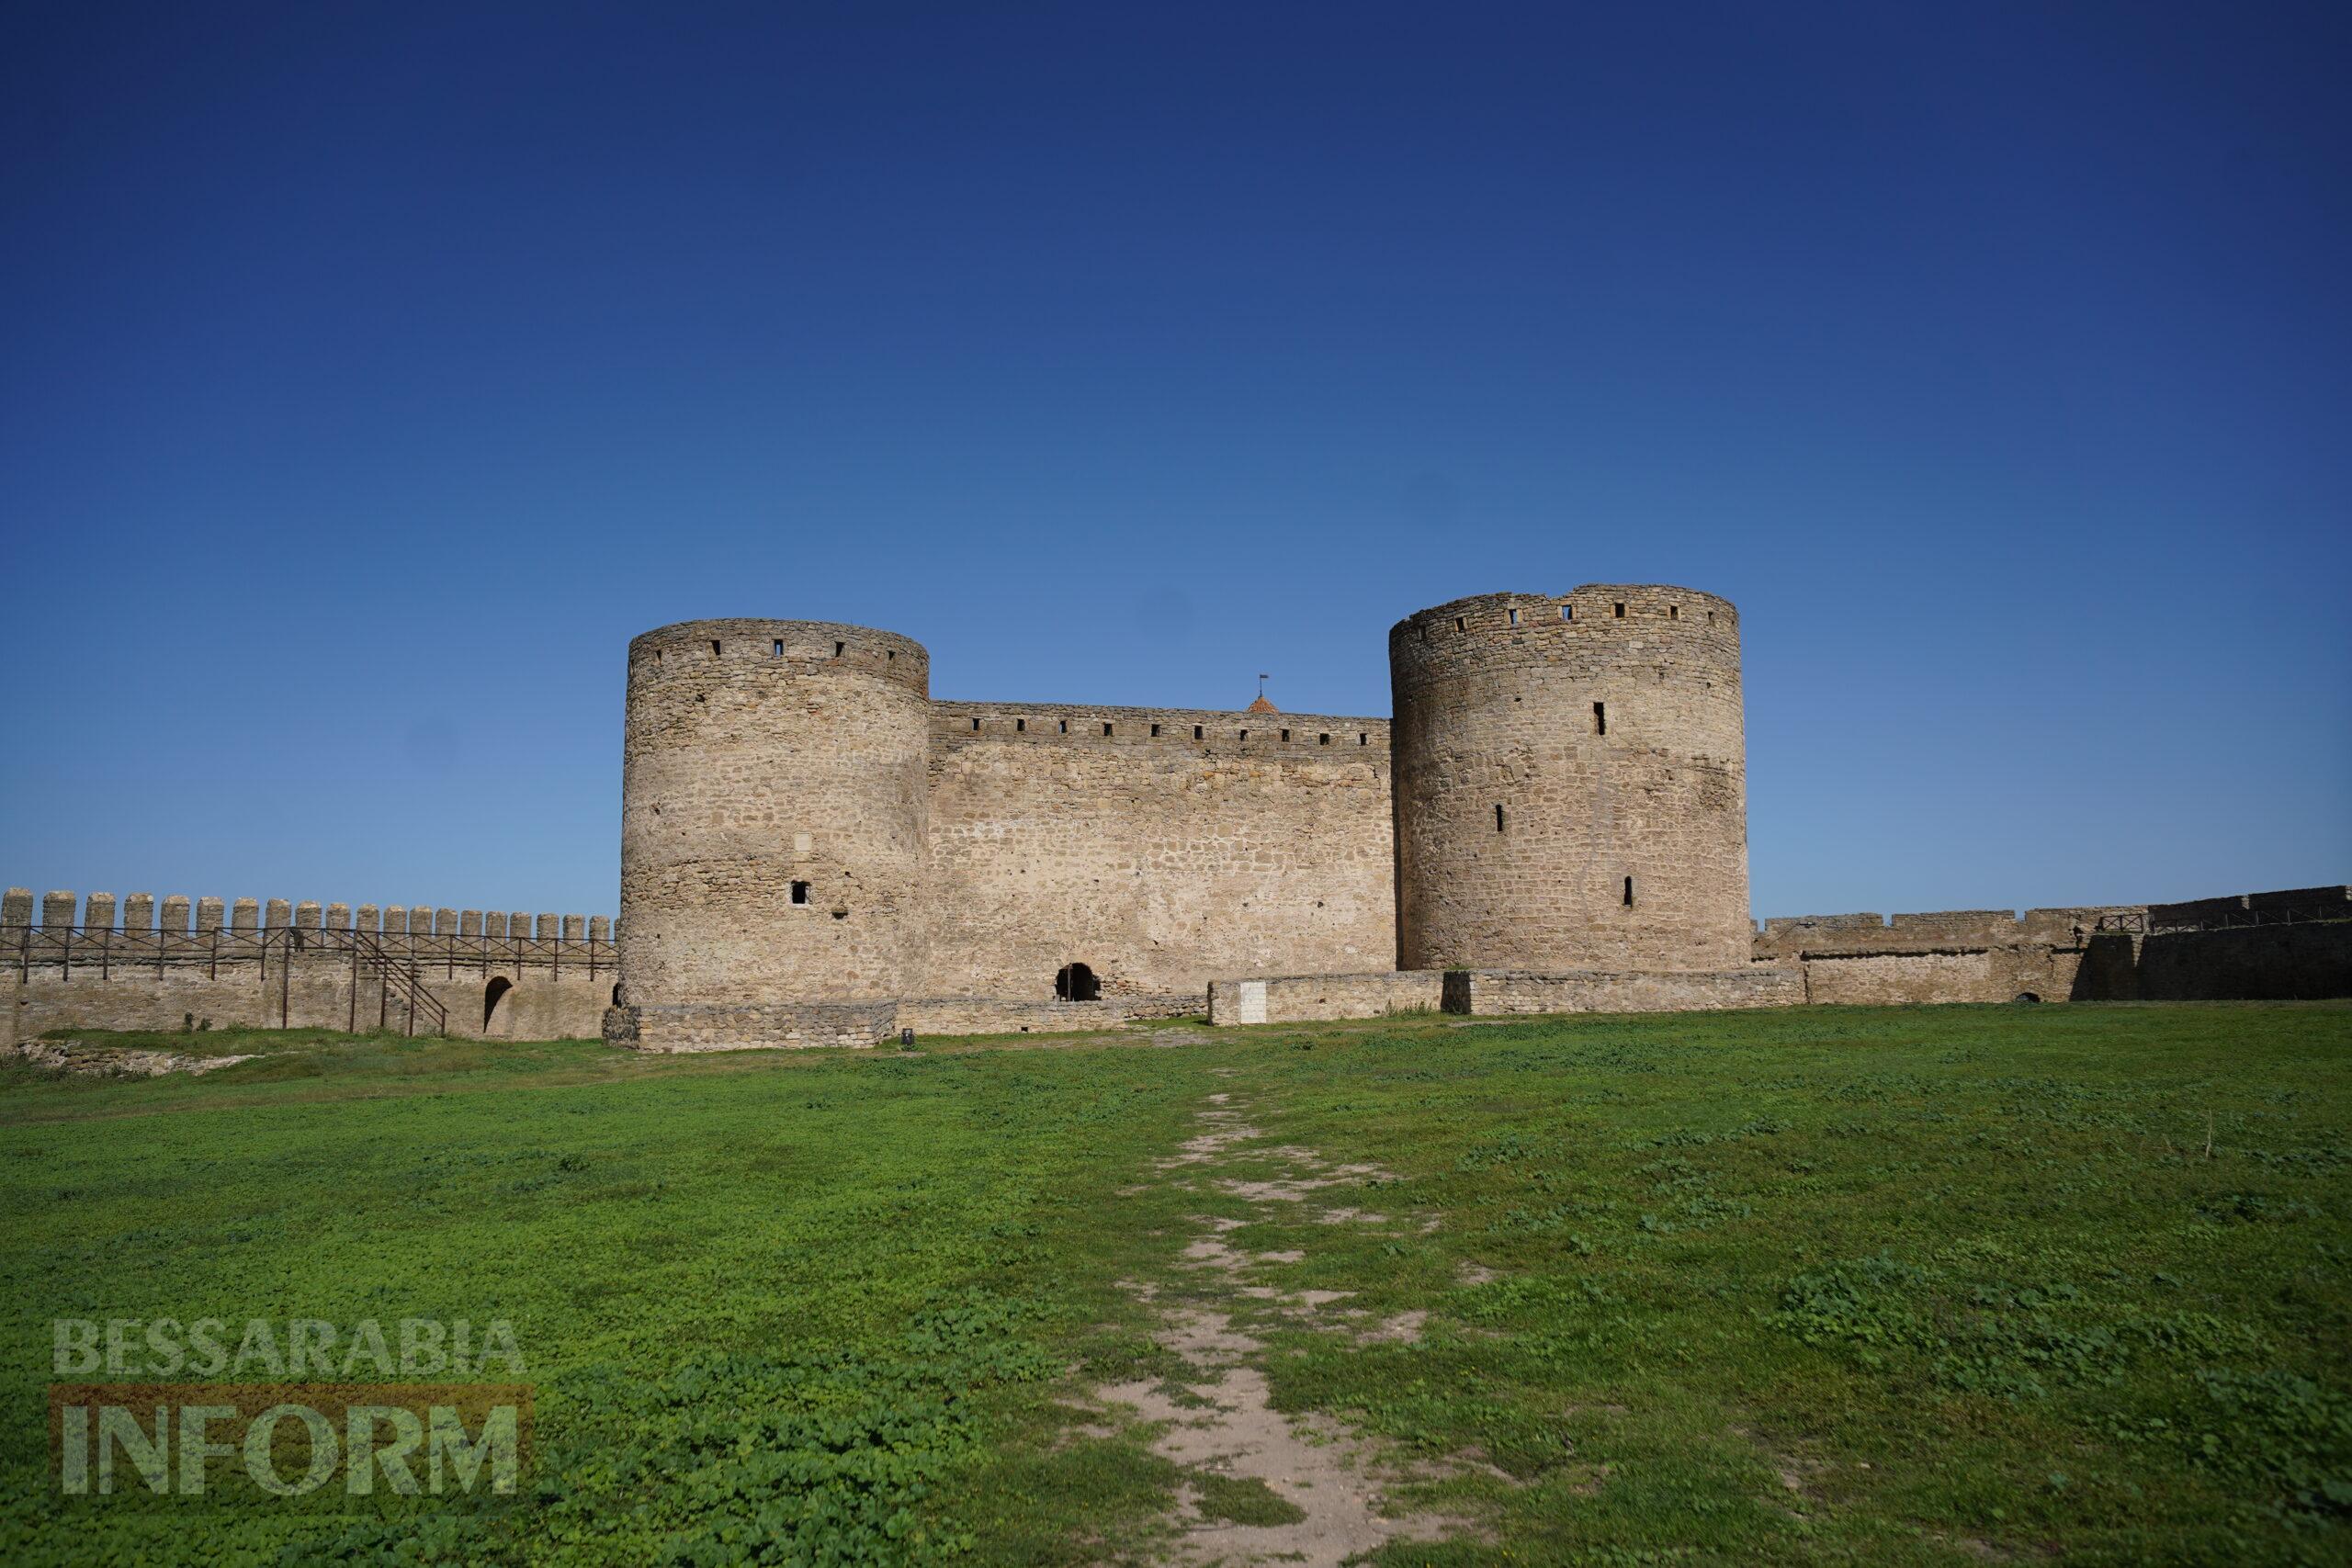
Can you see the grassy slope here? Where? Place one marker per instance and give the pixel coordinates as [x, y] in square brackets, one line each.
[1883, 1284]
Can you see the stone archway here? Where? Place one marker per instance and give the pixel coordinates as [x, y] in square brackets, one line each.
[1077, 983]
[497, 1016]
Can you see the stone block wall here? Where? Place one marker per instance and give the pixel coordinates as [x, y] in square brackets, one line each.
[267, 963]
[1571, 782]
[1304, 999]
[1482, 992]
[1159, 847]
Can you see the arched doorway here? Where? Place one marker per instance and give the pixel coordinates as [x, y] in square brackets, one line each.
[495, 1023]
[1076, 983]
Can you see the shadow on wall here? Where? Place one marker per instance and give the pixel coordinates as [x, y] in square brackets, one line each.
[2109, 970]
[497, 1020]
[2285, 962]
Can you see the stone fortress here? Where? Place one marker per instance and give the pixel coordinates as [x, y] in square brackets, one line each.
[815, 851]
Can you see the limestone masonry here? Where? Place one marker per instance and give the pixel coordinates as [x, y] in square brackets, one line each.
[814, 852]
[811, 847]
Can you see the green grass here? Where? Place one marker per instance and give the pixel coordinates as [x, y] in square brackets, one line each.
[1898, 1285]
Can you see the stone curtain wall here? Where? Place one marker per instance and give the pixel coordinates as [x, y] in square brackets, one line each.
[2254, 946]
[138, 962]
[1157, 846]
[1549, 748]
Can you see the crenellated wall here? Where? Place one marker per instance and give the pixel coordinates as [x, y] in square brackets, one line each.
[141, 963]
[1159, 847]
[2292, 943]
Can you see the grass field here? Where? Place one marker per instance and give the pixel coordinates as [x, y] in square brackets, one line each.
[1902, 1285]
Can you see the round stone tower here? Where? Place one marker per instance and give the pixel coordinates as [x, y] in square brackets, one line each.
[773, 832]
[1571, 783]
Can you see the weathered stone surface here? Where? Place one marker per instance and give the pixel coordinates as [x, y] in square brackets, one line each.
[1571, 782]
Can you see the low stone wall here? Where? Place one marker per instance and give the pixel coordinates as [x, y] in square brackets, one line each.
[1304, 999]
[1984, 974]
[979, 1015]
[316, 993]
[750, 1028]
[1482, 992]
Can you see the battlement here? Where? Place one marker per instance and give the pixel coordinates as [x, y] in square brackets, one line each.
[179, 916]
[690, 650]
[1593, 610]
[1940, 930]
[1305, 738]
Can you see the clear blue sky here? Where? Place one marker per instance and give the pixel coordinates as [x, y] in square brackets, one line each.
[372, 373]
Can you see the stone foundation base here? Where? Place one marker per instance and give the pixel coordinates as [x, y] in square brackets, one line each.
[761, 1027]
[795, 1025]
[1303, 998]
[1488, 992]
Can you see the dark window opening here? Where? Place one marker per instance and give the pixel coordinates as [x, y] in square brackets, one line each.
[1076, 983]
[975, 724]
[1514, 617]
[801, 893]
[1498, 819]
[1154, 730]
[1567, 612]
[1601, 718]
[1021, 724]
[778, 649]
[1106, 729]
[1364, 739]
[1629, 893]
[491, 994]
[1324, 740]
[1286, 734]
[1711, 617]
[1460, 624]
[1674, 612]
[617, 993]
[1065, 726]
[1196, 732]
[892, 655]
[714, 647]
[1620, 612]
[837, 649]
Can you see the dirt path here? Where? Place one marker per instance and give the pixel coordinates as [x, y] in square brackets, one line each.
[1217, 1420]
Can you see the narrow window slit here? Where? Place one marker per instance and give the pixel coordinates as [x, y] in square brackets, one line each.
[801, 893]
[1498, 819]
[1629, 893]
[1601, 718]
